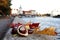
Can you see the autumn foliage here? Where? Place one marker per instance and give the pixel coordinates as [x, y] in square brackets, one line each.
[5, 6]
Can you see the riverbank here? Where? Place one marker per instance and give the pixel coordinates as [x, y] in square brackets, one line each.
[44, 22]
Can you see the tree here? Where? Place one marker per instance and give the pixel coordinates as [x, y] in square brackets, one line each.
[5, 6]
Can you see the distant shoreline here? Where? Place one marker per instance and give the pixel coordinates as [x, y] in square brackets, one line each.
[58, 16]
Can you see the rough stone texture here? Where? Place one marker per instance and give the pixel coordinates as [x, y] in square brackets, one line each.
[9, 36]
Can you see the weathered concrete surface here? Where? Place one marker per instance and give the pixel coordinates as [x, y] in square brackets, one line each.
[9, 36]
[4, 26]
[30, 37]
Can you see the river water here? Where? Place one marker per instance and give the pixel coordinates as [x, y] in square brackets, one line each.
[44, 21]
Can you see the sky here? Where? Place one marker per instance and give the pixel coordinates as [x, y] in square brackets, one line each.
[42, 6]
